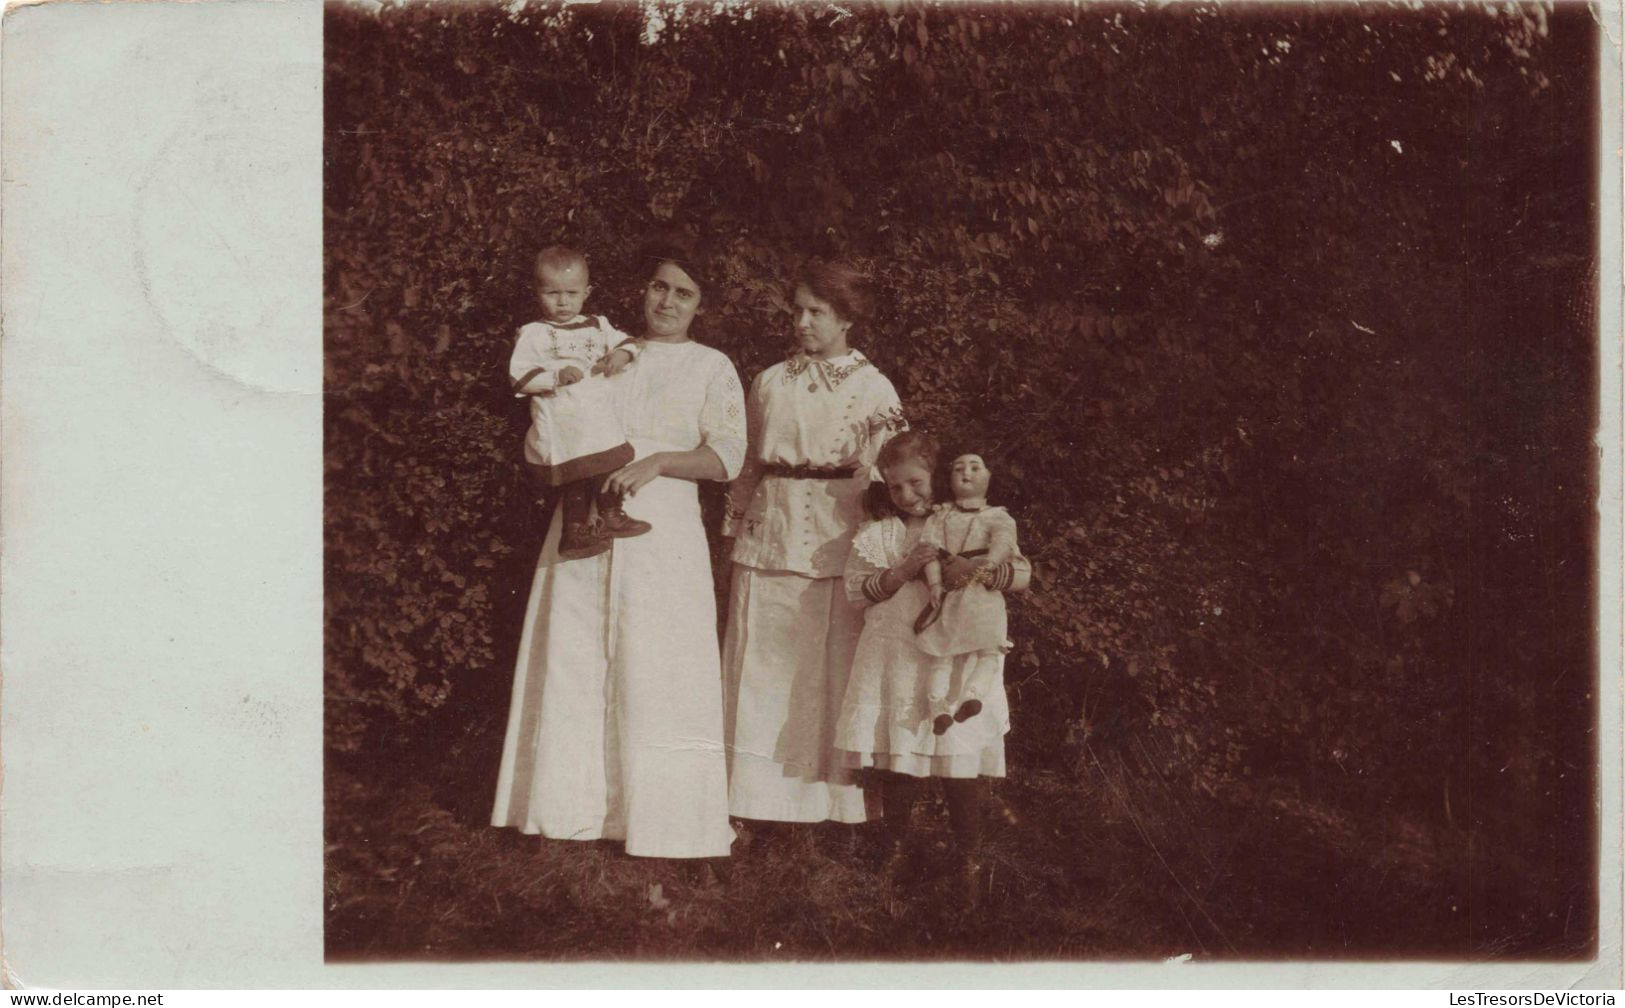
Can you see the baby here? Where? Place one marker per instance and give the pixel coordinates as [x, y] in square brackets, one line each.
[966, 613]
[563, 364]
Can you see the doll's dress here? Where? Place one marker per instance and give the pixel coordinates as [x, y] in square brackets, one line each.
[973, 617]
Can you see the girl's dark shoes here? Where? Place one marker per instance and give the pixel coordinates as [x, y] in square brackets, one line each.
[901, 866]
[967, 710]
[972, 885]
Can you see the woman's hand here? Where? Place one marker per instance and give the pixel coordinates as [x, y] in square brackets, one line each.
[612, 363]
[632, 477]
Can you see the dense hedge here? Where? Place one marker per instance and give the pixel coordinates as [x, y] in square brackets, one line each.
[1272, 323]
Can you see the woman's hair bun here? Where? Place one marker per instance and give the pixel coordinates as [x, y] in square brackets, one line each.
[848, 289]
[683, 249]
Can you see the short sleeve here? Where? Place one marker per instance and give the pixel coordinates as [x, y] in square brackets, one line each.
[1003, 533]
[532, 356]
[722, 418]
[1015, 574]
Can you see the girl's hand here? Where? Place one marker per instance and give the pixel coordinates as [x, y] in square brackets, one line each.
[634, 476]
[569, 376]
[957, 572]
[918, 557]
[937, 593]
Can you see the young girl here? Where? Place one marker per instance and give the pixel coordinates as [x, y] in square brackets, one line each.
[886, 718]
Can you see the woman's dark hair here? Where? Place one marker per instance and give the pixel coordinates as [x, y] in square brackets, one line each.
[683, 252]
[910, 445]
[844, 286]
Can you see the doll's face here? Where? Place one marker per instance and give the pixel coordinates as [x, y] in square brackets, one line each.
[562, 290]
[909, 484]
[968, 477]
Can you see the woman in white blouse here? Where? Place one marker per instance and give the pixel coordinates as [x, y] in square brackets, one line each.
[817, 421]
[615, 730]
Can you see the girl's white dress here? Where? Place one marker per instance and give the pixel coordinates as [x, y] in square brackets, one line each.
[885, 719]
[791, 629]
[615, 729]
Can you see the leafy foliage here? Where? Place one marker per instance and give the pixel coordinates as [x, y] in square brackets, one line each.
[1264, 320]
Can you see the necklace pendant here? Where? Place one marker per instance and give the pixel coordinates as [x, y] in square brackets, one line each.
[813, 387]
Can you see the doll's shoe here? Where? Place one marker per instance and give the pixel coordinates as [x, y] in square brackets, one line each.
[580, 540]
[617, 524]
[967, 710]
[941, 723]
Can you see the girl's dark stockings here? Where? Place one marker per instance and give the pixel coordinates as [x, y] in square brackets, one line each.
[964, 799]
[963, 796]
[898, 793]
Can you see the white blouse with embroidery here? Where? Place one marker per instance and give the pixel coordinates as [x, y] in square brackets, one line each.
[826, 414]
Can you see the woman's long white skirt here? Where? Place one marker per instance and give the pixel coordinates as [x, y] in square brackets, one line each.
[785, 660]
[615, 729]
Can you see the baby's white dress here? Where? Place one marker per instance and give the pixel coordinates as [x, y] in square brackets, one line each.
[575, 430]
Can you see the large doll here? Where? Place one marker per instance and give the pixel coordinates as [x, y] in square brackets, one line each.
[966, 614]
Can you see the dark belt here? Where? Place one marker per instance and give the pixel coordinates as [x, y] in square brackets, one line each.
[807, 472]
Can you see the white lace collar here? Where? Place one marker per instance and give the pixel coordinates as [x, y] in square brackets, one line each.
[880, 541]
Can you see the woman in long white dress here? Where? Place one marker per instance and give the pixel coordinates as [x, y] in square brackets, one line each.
[817, 421]
[615, 729]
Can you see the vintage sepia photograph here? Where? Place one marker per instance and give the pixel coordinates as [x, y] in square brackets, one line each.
[985, 482]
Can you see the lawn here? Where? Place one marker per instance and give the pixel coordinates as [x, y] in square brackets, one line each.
[1104, 863]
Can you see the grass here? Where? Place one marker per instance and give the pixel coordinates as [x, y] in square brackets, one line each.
[1101, 863]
